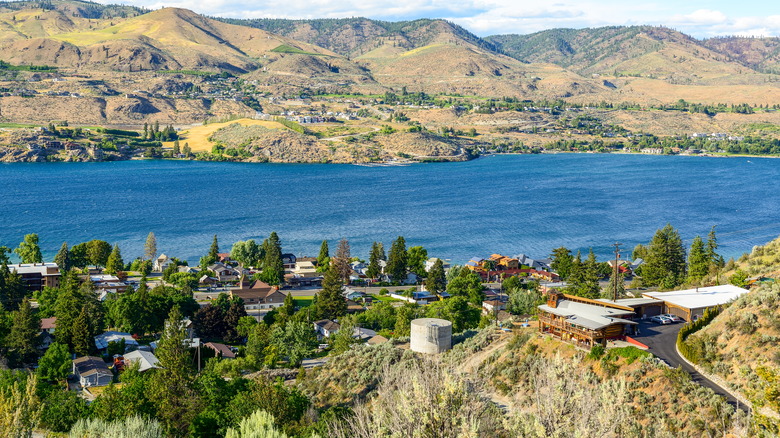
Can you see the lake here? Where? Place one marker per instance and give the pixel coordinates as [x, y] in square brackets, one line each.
[508, 204]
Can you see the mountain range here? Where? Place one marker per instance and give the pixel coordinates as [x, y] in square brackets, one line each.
[637, 63]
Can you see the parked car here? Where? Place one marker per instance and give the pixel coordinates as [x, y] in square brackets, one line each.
[674, 318]
[660, 319]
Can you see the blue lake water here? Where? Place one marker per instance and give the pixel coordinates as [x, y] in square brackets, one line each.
[507, 204]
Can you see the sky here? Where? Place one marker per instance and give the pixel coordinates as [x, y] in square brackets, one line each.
[699, 18]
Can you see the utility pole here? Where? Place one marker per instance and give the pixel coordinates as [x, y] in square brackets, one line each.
[617, 270]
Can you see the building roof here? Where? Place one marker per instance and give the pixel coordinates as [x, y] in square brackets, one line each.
[589, 316]
[630, 302]
[102, 340]
[328, 325]
[376, 340]
[700, 297]
[146, 359]
[222, 349]
[89, 365]
[49, 323]
[45, 269]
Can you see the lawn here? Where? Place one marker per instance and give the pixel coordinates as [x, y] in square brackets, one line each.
[304, 301]
[385, 298]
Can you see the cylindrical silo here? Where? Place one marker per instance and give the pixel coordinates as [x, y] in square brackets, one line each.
[431, 335]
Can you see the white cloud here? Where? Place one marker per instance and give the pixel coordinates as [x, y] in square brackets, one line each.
[486, 17]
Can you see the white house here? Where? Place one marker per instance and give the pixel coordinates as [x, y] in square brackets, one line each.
[161, 263]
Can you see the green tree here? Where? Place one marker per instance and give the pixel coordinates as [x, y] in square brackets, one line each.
[665, 262]
[78, 255]
[374, 268]
[20, 409]
[609, 291]
[417, 257]
[214, 250]
[25, 328]
[711, 251]
[56, 363]
[98, 252]
[273, 267]
[397, 260]
[698, 261]
[524, 302]
[739, 278]
[323, 259]
[562, 262]
[62, 409]
[171, 387]
[114, 263]
[468, 285]
[62, 259]
[330, 300]
[150, 247]
[343, 339]
[12, 289]
[81, 336]
[435, 283]
[587, 285]
[296, 339]
[456, 310]
[246, 253]
[29, 250]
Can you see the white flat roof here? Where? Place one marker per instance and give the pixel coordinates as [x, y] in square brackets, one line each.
[701, 297]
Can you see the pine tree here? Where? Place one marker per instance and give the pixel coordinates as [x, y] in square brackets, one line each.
[323, 259]
[436, 281]
[397, 260]
[67, 308]
[273, 267]
[562, 262]
[171, 386]
[715, 260]
[150, 247]
[214, 250]
[665, 261]
[609, 291]
[374, 268]
[417, 258]
[341, 261]
[62, 259]
[330, 300]
[115, 262]
[24, 331]
[698, 260]
[81, 337]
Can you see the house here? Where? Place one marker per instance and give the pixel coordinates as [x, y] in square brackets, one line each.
[221, 350]
[224, 257]
[36, 276]
[48, 325]
[92, 371]
[491, 307]
[188, 270]
[576, 320]
[325, 328]
[305, 268]
[259, 295]
[161, 263]
[363, 334]
[146, 360]
[431, 261]
[690, 304]
[223, 272]
[107, 284]
[206, 280]
[288, 260]
[102, 340]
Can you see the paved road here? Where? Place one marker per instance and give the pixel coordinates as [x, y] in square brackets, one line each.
[662, 340]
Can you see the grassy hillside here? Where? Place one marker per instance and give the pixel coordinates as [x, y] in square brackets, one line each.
[545, 388]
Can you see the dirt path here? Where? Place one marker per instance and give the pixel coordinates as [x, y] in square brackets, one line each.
[471, 365]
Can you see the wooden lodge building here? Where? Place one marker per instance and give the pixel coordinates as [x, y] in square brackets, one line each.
[583, 321]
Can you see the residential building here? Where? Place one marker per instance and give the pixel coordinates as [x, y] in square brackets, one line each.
[161, 263]
[102, 340]
[36, 276]
[221, 350]
[48, 325]
[92, 371]
[690, 304]
[258, 296]
[146, 360]
[325, 328]
[576, 320]
[223, 272]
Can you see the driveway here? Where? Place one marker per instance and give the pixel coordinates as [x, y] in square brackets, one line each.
[662, 340]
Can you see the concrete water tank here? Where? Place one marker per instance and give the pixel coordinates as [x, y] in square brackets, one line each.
[431, 335]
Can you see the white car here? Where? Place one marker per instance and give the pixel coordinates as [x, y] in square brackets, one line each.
[673, 318]
[661, 319]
